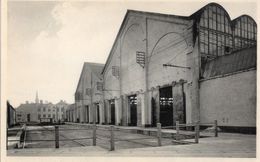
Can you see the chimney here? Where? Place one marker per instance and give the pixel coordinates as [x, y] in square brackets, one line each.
[27, 102]
[41, 101]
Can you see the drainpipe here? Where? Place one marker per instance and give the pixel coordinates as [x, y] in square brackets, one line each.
[146, 99]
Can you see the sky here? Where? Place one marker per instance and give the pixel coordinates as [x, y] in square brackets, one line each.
[48, 41]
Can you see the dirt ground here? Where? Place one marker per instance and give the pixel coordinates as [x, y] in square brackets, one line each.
[73, 136]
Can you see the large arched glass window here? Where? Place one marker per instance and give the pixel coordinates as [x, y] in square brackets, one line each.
[244, 32]
[215, 34]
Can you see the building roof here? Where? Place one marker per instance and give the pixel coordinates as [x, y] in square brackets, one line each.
[198, 13]
[96, 68]
[243, 59]
[195, 16]
[32, 107]
[140, 13]
[61, 102]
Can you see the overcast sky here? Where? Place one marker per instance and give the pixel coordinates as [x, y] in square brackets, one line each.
[48, 42]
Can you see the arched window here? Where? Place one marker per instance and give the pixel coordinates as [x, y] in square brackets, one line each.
[244, 32]
[215, 34]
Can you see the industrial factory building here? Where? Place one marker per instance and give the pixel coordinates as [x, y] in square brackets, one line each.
[88, 95]
[167, 68]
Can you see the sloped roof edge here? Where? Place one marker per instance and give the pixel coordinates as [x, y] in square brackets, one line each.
[124, 22]
[89, 64]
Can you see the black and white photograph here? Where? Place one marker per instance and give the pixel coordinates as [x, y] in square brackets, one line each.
[120, 78]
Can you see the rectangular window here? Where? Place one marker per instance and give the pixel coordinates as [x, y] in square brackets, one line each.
[210, 23]
[214, 24]
[210, 13]
[202, 22]
[44, 115]
[39, 116]
[206, 22]
[202, 48]
[49, 115]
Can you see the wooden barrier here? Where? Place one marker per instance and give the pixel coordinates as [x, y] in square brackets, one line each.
[177, 131]
[19, 136]
[24, 137]
[197, 132]
[94, 135]
[159, 134]
[57, 137]
[216, 128]
[112, 139]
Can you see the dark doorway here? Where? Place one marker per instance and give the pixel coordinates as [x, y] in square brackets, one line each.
[112, 112]
[28, 117]
[153, 103]
[97, 115]
[133, 110]
[166, 106]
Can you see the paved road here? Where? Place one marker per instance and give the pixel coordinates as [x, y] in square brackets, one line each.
[47, 134]
[71, 136]
[226, 145]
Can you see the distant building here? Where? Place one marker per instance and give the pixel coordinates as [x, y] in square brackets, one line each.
[27, 112]
[88, 95]
[39, 111]
[21, 116]
[70, 113]
[46, 111]
[60, 109]
[11, 115]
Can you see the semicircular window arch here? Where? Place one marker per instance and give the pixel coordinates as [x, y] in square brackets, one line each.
[245, 30]
[215, 33]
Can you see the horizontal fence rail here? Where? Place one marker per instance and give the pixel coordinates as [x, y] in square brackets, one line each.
[52, 130]
[112, 134]
[194, 126]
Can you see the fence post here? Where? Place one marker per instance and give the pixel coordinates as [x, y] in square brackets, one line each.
[216, 128]
[24, 138]
[197, 132]
[177, 130]
[94, 135]
[112, 140]
[159, 134]
[57, 137]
